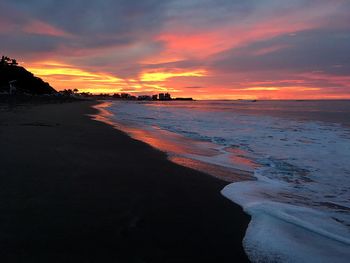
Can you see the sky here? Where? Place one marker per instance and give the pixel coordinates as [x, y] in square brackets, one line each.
[206, 49]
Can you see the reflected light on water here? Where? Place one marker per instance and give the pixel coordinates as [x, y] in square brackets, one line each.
[182, 150]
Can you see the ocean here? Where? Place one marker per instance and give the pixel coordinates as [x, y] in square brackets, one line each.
[287, 163]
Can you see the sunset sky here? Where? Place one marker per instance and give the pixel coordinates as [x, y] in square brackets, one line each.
[207, 49]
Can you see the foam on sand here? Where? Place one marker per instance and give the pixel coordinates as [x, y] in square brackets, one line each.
[280, 232]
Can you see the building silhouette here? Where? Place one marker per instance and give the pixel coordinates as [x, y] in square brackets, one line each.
[164, 96]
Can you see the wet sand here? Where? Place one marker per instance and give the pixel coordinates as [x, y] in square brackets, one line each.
[77, 190]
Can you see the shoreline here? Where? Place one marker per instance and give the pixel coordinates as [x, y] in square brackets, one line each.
[71, 195]
[174, 147]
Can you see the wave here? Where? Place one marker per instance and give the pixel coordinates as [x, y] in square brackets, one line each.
[280, 232]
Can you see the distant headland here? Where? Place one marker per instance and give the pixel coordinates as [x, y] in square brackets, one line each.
[16, 79]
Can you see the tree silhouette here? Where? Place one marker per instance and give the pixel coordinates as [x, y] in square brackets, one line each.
[6, 61]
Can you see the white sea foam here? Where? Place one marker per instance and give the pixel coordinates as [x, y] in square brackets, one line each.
[281, 232]
[300, 202]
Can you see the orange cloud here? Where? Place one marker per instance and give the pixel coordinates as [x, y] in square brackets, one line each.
[62, 76]
[163, 76]
[260, 89]
[204, 43]
[196, 83]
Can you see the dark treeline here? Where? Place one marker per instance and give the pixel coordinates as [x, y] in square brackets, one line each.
[127, 96]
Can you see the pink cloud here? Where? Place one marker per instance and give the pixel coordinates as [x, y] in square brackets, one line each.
[41, 28]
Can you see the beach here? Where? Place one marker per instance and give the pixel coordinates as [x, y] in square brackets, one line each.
[78, 190]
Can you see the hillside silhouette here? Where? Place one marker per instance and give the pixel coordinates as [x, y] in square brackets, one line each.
[23, 80]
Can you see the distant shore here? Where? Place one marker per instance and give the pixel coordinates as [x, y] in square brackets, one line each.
[76, 190]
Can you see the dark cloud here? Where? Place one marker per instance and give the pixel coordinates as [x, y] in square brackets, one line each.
[88, 24]
[99, 17]
[27, 44]
[316, 50]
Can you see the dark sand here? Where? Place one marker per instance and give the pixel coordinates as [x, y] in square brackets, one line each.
[77, 190]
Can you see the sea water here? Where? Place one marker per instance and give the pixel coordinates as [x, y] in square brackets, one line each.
[293, 157]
